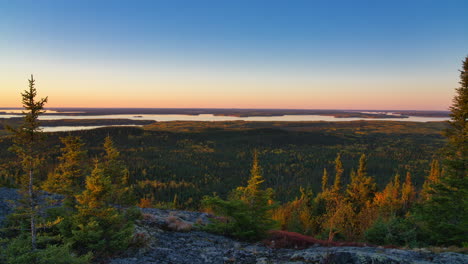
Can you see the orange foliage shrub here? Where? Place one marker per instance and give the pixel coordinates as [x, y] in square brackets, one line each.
[145, 203]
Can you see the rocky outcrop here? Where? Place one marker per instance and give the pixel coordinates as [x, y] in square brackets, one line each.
[164, 246]
[373, 255]
[174, 237]
[10, 198]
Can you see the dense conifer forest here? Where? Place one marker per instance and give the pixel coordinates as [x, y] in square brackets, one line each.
[166, 159]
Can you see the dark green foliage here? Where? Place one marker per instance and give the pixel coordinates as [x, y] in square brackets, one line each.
[118, 173]
[162, 164]
[247, 214]
[19, 251]
[68, 178]
[235, 219]
[133, 213]
[96, 226]
[445, 214]
[395, 231]
[103, 234]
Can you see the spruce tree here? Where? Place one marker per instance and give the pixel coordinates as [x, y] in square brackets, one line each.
[97, 226]
[339, 170]
[408, 193]
[253, 194]
[69, 177]
[433, 178]
[324, 180]
[445, 213]
[26, 145]
[118, 173]
[248, 209]
[362, 187]
[113, 166]
[388, 201]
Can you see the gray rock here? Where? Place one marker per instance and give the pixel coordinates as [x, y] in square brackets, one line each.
[197, 247]
[450, 257]
[8, 200]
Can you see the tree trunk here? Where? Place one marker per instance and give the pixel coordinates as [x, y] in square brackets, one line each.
[33, 212]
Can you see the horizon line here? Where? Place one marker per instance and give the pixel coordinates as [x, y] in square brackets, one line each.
[233, 108]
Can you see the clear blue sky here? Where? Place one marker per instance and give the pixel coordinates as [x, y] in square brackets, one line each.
[264, 54]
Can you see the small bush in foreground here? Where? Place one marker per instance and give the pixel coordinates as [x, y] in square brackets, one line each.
[19, 251]
[395, 231]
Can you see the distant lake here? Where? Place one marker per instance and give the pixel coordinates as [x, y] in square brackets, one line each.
[75, 128]
[210, 117]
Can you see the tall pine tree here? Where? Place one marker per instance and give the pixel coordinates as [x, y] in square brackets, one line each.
[26, 145]
[445, 213]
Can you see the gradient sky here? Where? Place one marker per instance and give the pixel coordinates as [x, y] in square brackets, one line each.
[234, 54]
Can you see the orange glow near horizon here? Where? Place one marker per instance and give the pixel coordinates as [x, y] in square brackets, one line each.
[233, 93]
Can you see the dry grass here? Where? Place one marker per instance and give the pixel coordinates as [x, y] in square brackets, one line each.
[176, 224]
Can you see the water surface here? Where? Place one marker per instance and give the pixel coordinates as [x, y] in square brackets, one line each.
[211, 117]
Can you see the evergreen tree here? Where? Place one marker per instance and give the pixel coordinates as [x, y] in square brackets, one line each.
[68, 179]
[248, 210]
[27, 138]
[362, 170]
[338, 173]
[97, 226]
[324, 180]
[445, 213]
[253, 194]
[118, 173]
[388, 201]
[359, 195]
[98, 190]
[408, 193]
[296, 216]
[432, 178]
[362, 187]
[113, 166]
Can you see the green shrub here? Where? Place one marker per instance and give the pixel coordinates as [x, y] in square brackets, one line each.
[237, 219]
[19, 251]
[395, 231]
[103, 232]
[133, 214]
[247, 214]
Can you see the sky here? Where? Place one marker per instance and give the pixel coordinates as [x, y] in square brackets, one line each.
[234, 54]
